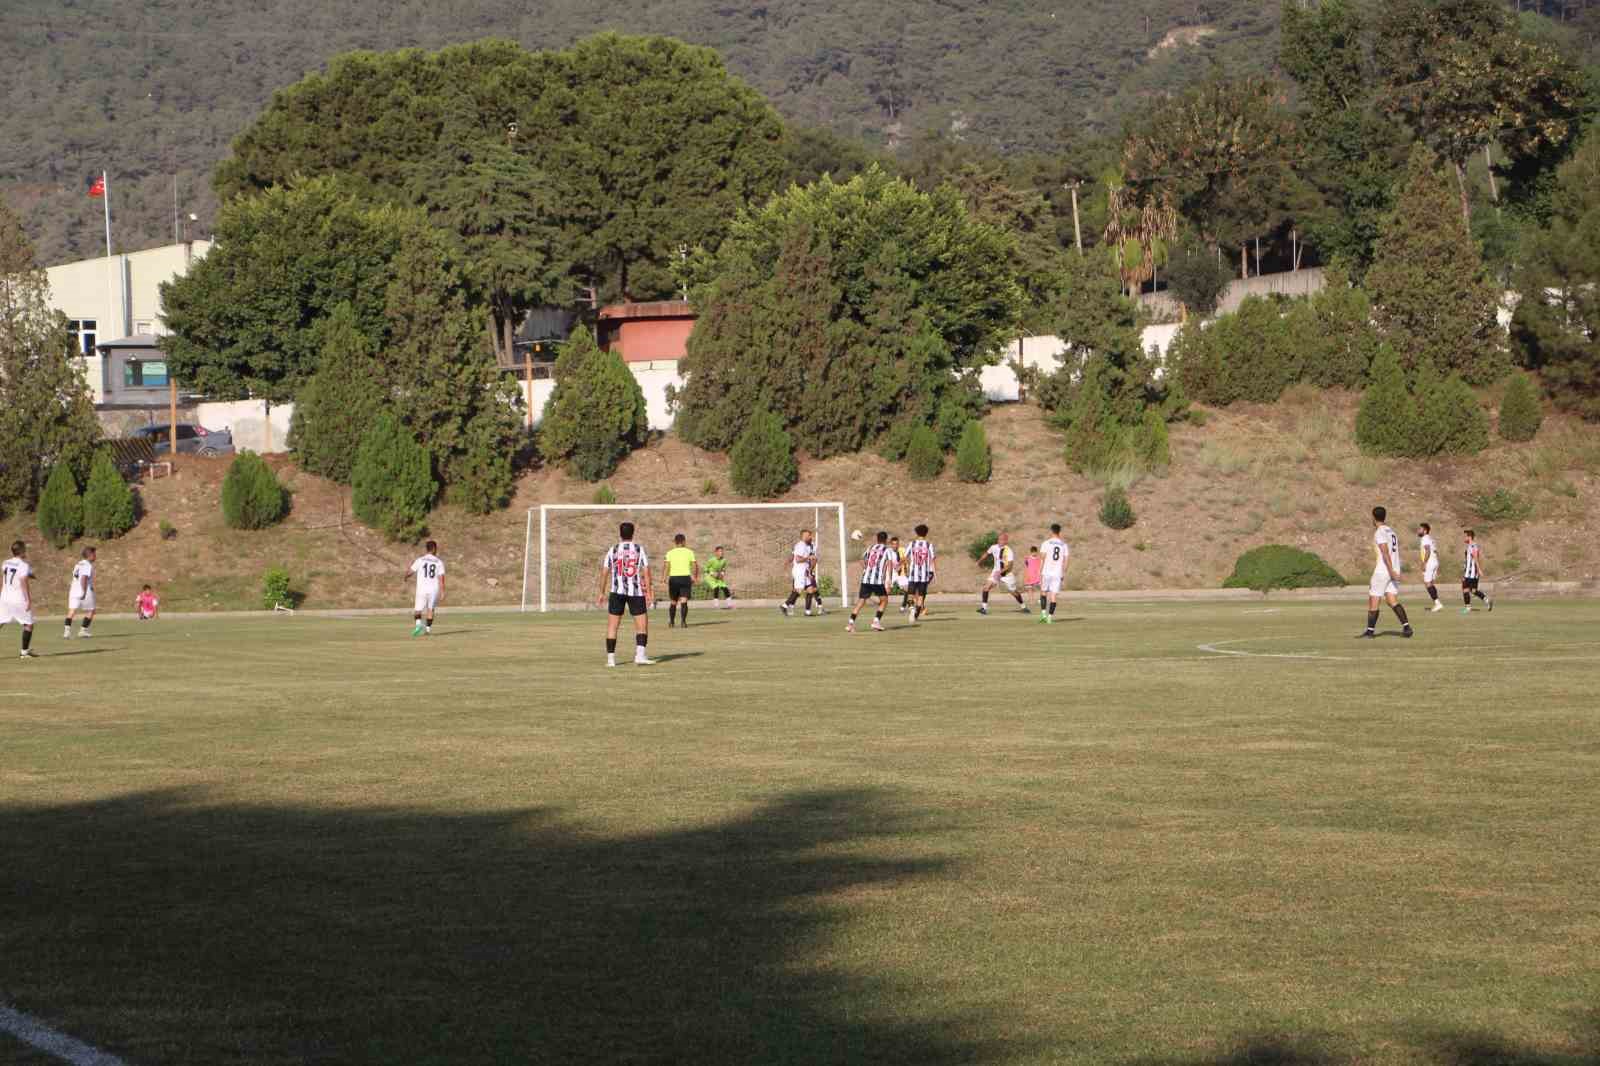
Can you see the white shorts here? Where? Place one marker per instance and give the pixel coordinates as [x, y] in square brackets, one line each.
[426, 600]
[802, 578]
[900, 582]
[1381, 585]
[1050, 583]
[1430, 572]
[78, 601]
[15, 612]
[1008, 580]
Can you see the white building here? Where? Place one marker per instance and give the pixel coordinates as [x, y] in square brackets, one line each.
[113, 298]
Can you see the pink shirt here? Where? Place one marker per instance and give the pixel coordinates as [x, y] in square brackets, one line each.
[147, 603]
[1034, 566]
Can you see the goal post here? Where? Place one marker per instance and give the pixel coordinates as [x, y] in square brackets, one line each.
[564, 542]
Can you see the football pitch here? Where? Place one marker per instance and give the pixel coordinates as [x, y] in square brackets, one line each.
[1152, 833]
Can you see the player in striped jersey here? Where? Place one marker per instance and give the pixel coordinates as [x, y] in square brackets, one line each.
[625, 584]
[1053, 574]
[1000, 573]
[1472, 573]
[878, 564]
[1385, 583]
[899, 580]
[1430, 563]
[802, 560]
[920, 564]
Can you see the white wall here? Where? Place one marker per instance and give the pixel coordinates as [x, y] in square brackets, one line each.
[250, 423]
[999, 383]
[653, 378]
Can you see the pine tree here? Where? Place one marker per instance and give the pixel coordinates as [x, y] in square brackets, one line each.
[1449, 419]
[60, 507]
[47, 417]
[924, 457]
[761, 462]
[1520, 415]
[109, 507]
[392, 484]
[973, 461]
[337, 405]
[596, 414]
[1386, 420]
[1430, 299]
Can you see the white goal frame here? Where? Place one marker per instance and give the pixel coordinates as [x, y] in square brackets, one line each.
[544, 509]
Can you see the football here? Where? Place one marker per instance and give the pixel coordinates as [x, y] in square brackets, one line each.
[855, 534]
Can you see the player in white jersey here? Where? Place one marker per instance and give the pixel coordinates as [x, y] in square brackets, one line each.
[1472, 573]
[921, 562]
[625, 585]
[1053, 575]
[80, 597]
[1385, 583]
[429, 571]
[16, 594]
[1003, 561]
[878, 564]
[802, 559]
[1430, 563]
[898, 579]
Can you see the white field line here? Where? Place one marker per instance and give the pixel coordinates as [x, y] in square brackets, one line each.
[1216, 648]
[34, 1033]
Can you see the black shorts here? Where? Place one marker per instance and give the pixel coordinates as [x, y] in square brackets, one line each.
[919, 588]
[678, 588]
[1469, 582]
[634, 604]
[871, 592]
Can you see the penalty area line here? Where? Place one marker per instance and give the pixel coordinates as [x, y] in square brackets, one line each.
[1216, 648]
[37, 1034]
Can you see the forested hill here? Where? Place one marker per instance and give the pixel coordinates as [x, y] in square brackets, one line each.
[156, 89]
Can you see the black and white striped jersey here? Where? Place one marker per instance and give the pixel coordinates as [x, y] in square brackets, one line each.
[878, 565]
[1469, 566]
[919, 560]
[626, 562]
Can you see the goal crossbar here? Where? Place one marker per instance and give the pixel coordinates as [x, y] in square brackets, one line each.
[544, 510]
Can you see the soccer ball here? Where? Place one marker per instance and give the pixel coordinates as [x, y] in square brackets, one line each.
[855, 534]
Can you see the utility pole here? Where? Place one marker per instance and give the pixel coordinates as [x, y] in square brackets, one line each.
[1077, 230]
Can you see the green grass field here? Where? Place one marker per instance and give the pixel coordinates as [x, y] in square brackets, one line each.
[980, 841]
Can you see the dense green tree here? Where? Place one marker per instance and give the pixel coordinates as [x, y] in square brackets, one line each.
[596, 414]
[1332, 332]
[335, 407]
[1450, 421]
[924, 455]
[1556, 327]
[842, 307]
[1430, 298]
[47, 418]
[812, 151]
[761, 462]
[1022, 212]
[245, 320]
[1386, 420]
[1196, 276]
[648, 144]
[60, 511]
[252, 497]
[1520, 414]
[973, 461]
[109, 507]
[392, 483]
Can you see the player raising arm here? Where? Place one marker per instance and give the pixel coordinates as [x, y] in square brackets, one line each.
[16, 594]
[80, 596]
[878, 565]
[429, 570]
[1052, 573]
[625, 584]
[1472, 573]
[1000, 573]
[1385, 583]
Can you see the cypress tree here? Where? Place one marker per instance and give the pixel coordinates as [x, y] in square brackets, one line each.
[923, 455]
[109, 509]
[252, 498]
[973, 461]
[392, 485]
[336, 406]
[60, 507]
[1386, 420]
[761, 463]
[596, 415]
[1520, 414]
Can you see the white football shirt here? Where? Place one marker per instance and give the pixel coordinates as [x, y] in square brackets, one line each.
[84, 569]
[429, 569]
[1427, 549]
[1384, 535]
[1054, 552]
[1004, 557]
[12, 572]
[804, 554]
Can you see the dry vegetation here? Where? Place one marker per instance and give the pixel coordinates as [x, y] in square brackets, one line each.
[1248, 476]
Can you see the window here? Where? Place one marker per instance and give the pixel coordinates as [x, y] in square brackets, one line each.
[144, 326]
[83, 334]
[144, 374]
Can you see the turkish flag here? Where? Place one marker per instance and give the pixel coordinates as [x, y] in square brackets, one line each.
[99, 186]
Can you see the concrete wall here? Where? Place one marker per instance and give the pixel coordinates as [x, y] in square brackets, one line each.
[1000, 385]
[1288, 283]
[121, 295]
[252, 426]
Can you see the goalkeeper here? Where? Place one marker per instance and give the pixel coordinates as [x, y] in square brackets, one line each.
[717, 578]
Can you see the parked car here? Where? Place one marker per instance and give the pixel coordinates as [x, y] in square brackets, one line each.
[192, 439]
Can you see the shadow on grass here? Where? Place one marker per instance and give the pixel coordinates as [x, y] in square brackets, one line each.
[176, 930]
[1439, 1046]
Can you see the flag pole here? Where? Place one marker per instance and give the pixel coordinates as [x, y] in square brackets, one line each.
[105, 198]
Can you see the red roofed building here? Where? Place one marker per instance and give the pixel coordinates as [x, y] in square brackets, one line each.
[655, 332]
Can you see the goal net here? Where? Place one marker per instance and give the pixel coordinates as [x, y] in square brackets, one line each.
[565, 543]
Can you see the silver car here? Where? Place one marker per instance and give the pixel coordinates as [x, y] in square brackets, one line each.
[192, 439]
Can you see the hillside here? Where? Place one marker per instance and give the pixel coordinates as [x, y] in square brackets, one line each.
[1247, 477]
[155, 92]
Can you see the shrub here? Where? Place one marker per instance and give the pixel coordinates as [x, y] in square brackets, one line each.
[896, 439]
[60, 509]
[973, 461]
[761, 463]
[596, 415]
[1385, 423]
[275, 588]
[979, 546]
[1248, 355]
[168, 530]
[480, 476]
[1449, 418]
[392, 480]
[251, 495]
[603, 496]
[1500, 507]
[1115, 510]
[923, 454]
[708, 487]
[1520, 414]
[1197, 277]
[1278, 566]
[109, 509]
